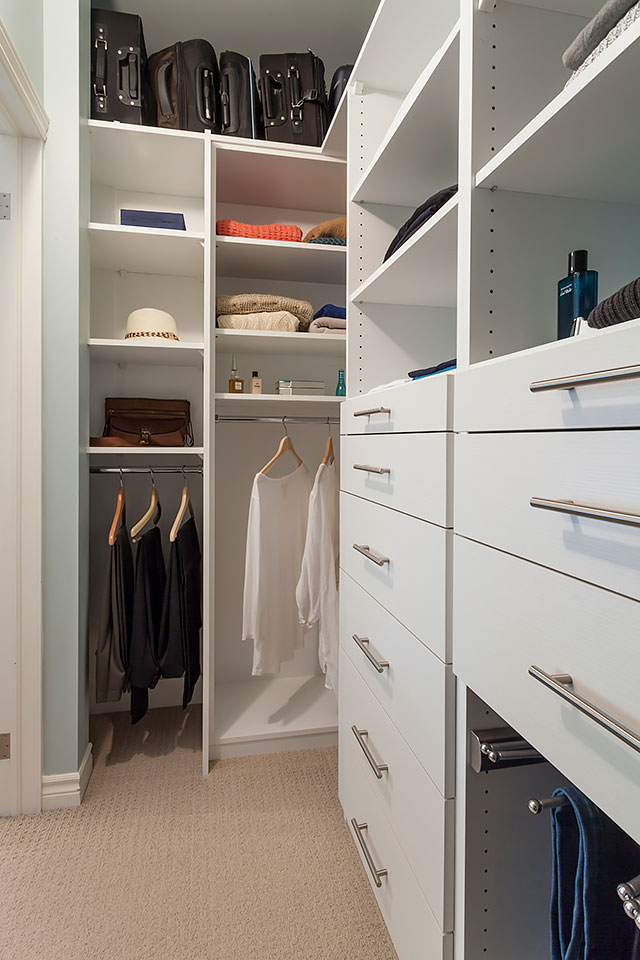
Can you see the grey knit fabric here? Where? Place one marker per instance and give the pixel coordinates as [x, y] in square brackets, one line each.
[629, 18]
[595, 32]
[622, 306]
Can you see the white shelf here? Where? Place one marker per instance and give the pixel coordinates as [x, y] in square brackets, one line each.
[424, 270]
[168, 352]
[281, 344]
[257, 176]
[280, 260]
[149, 452]
[273, 405]
[147, 159]
[177, 253]
[267, 708]
[419, 153]
[562, 151]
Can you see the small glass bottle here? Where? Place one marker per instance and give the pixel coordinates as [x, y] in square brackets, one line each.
[577, 293]
[255, 384]
[341, 390]
[236, 383]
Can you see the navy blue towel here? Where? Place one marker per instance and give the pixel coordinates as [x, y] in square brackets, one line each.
[429, 371]
[330, 310]
[591, 856]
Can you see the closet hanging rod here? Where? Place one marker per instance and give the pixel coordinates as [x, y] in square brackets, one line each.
[147, 470]
[280, 420]
[538, 806]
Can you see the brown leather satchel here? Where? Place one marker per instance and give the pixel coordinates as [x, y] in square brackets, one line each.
[138, 422]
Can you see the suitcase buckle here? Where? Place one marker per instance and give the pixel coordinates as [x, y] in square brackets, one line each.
[296, 112]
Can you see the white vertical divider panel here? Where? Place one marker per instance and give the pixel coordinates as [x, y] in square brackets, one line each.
[208, 459]
[465, 182]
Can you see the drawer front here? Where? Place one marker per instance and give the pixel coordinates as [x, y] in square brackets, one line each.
[509, 615]
[412, 926]
[416, 689]
[408, 472]
[413, 407]
[411, 575]
[420, 818]
[497, 395]
[498, 474]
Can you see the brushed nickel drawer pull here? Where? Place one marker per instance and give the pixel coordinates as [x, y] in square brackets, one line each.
[584, 379]
[376, 873]
[378, 768]
[371, 411]
[367, 552]
[378, 664]
[559, 683]
[584, 510]
[367, 469]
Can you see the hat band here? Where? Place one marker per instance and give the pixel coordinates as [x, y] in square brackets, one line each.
[156, 333]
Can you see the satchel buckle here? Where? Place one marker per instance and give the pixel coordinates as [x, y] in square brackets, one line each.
[145, 437]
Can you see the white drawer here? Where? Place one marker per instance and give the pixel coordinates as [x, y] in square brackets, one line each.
[417, 406]
[498, 474]
[420, 818]
[496, 395]
[416, 689]
[511, 614]
[409, 472]
[411, 573]
[412, 926]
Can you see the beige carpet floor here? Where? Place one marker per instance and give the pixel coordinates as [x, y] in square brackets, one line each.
[254, 862]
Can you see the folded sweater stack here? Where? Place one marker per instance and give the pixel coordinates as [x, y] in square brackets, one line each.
[262, 304]
[266, 231]
[602, 30]
[620, 307]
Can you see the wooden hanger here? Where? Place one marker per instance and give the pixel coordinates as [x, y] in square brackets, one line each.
[185, 504]
[120, 504]
[285, 445]
[329, 455]
[154, 506]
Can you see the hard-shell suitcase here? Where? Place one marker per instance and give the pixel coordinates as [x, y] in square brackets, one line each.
[294, 99]
[240, 103]
[119, 86]
[339, 81]
[186, 83]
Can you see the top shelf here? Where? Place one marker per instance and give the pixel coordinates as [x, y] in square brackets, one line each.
[560, 152]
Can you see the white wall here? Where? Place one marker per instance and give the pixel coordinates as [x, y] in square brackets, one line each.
[23, 20]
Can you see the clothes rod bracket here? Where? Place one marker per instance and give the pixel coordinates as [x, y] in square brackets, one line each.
[499, 748]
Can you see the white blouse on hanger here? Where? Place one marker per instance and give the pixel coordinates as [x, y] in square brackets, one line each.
[276, 535]
[317, 590]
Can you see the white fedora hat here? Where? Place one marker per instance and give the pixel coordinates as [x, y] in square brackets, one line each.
[149, 323]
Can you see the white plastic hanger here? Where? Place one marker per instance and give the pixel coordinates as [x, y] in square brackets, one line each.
[185, 504]
[285, 446]
[154, 507]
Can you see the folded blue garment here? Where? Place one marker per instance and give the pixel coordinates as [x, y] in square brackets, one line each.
[152, 219]
[330, 310]
[330, 241]
[429, 371]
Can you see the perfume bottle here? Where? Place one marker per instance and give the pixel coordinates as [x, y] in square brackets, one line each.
[341, 390]
[255, 384]
[236, 383]
[577, 293]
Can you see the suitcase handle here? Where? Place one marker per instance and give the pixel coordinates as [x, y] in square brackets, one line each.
[164, 92]
[224, 101]
[272, 89]
[204, 91]
[129, 76]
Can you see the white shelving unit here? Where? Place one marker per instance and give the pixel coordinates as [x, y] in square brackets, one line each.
[281, 260]
[273, 342]
[149, 453]
[138, 250]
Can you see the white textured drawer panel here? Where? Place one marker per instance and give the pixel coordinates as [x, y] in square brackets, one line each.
[408, 471]
[496, 395]
[498, 474]
[416, 689]
[410, 575]
[511, 614]
[421, 405]
[414, 929]
[419, 816]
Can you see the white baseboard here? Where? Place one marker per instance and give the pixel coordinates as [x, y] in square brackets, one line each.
[67, 789]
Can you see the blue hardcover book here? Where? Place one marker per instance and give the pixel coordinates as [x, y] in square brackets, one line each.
[152, 219]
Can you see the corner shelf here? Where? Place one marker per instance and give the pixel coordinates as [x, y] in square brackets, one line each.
[281, 344]
[280, 260]
[168, 352]
[423, 272]
[419, 153]
[560, 152]
[177, 253]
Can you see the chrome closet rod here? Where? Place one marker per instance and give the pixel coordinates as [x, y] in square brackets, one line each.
[163, 469]
[280, 420]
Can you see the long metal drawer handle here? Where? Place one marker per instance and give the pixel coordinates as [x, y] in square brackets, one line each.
[559, 684]
[378, 664]
[584, 379]
[367, 552]
[584, 510]
[371, 411]
[378, 768]
[376, 873]
[367, 469]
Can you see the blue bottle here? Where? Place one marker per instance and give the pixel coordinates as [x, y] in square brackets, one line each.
[341, 390]
[577, 293]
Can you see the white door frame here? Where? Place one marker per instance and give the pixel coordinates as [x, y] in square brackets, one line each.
[23, 117]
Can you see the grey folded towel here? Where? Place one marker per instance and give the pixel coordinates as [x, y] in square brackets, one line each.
[622, 306]
[595, 32]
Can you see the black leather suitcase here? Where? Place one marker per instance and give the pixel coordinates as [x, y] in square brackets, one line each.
[294, 98]
[186, 84]
[119, 86]
[240, 103]
[337, 87]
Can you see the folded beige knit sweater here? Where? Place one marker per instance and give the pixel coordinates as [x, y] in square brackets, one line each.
[265, 303]
[280, 320]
